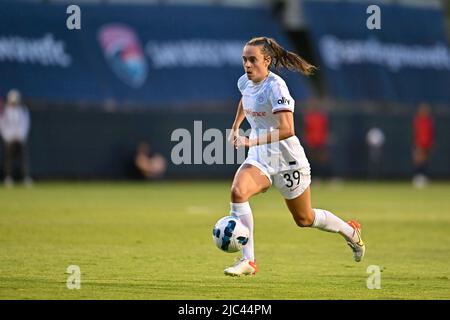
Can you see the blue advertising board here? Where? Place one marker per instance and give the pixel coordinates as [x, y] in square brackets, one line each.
[145, 55]
[407, 60]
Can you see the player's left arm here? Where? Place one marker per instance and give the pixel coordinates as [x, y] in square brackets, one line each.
[285, 130]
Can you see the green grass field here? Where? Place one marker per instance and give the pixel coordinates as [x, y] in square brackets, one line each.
[154, 241]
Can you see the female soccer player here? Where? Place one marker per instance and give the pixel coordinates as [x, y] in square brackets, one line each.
[275, 154]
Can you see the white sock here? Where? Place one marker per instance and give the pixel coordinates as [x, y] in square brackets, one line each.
[326, 221]
[244, 213]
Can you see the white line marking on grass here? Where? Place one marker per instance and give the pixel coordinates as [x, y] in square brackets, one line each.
[198, 210]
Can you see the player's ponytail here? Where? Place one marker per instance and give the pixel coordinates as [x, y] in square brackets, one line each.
[281, 57]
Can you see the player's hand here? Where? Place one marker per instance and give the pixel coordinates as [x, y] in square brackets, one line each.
[234, 134]
[242, 142]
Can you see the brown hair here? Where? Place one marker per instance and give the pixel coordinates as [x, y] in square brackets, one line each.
[281, 57]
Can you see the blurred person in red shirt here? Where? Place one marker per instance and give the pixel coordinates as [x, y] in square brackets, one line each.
[316, 133]
[423, 142]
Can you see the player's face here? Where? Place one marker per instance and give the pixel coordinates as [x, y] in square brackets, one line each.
[256, 65]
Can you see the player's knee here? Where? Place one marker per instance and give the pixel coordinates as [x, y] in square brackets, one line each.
[239, 193]
[304, 220]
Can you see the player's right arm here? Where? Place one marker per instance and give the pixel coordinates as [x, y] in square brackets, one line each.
[240, 116]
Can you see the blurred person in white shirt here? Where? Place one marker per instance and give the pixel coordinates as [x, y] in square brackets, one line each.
[14, 129]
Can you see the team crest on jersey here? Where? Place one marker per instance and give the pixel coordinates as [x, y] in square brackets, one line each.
[261, 99]
[124, 53]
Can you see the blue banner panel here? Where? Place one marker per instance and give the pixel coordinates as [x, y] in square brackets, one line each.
[146, 55]
[407, 60]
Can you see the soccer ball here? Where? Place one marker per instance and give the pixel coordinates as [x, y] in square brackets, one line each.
[230, 234]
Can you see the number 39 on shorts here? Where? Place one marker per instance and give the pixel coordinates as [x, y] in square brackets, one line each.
[291, 178]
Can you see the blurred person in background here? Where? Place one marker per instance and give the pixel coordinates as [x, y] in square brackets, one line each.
[375, 139]
[14, 129]
[423, 141]
[150, 165]
[316, 132]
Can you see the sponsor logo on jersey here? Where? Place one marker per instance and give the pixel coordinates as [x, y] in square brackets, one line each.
[283, 100]
[124, 54]
[255, 113]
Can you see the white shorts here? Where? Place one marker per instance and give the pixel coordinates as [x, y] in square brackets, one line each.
[290, 183]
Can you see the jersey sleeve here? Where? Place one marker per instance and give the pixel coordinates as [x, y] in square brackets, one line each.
[280, 98]
[242, 82]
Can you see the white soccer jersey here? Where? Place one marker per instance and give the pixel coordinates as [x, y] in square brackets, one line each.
[260, 101]
[15, 123]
